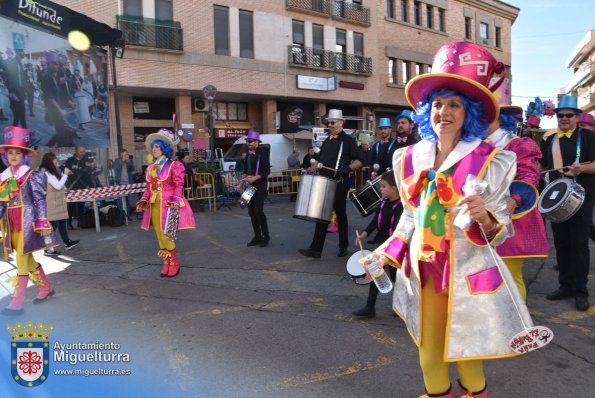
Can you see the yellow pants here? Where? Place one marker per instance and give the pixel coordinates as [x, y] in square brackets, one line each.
[515, 266]
[432, 350]
[164, 243]
[25, 262]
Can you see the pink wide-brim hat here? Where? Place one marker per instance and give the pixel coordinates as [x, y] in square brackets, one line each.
[513, 110]
[16, 137]
[533, 121]
[586, 118]
[465, 68]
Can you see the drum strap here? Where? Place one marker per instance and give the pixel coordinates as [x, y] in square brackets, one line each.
[392, 219]
[339, 157]
[557, 152]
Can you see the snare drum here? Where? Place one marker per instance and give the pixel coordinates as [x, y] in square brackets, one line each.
[247, 195]
[315, 198]
[369, 197]
[355, 269]
[561, 199]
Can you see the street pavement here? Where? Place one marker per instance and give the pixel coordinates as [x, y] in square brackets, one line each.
[260, 322]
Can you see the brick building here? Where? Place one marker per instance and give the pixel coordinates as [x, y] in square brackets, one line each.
[582, 83]
[278, 65]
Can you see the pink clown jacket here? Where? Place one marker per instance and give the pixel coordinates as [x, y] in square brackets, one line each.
[169, 189]
[529, 239]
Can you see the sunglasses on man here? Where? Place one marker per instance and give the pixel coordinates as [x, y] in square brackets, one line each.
[566, 115]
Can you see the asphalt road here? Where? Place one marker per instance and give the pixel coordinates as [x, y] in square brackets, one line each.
[259, 322]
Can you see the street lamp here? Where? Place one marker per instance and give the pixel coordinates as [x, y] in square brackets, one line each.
[209, 92]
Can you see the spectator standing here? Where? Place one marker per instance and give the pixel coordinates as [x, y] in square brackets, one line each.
[79, 179]
[123, 175]
[241, 163]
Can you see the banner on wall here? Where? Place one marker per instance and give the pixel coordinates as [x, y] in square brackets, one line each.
[47, 86]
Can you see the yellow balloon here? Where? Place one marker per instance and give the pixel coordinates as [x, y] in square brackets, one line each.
[78, 40]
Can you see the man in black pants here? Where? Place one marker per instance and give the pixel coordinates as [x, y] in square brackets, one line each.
[258, 167]
[569, 147]
[338, 152]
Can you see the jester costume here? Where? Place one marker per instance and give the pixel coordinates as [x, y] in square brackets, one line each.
[165, 184]
[529, 239]
[450, 285]
[22, 199]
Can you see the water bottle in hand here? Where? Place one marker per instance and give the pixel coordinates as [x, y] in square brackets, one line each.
[47, 239]
[379, 276]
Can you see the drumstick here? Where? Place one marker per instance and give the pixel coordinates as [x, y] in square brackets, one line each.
[321, 166]
[564, 167]
[359, 241]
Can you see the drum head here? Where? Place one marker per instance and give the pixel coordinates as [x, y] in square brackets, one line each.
[356, 270]
[554, 194]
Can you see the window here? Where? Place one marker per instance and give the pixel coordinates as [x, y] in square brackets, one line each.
[467, 28]
[246, 34]
[340, 48]
[416, 13]
[164, 10]
[392, 70]
[441, 20]
[221, 19]
[358, 51]
[419, 69]
[484, 30]
[498, 37]
[318, 44]
[357, 4]
[133, 8]
[390, 10]
[404, 10]
[298, 32]
[429, 17]
[405, 75]
[231, 111]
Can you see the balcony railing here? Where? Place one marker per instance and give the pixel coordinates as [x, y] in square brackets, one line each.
[584, 73]
[151, 33]
[333, 9]
[322, 59]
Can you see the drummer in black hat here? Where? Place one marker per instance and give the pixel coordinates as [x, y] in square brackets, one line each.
[571, 148]
[339, 152]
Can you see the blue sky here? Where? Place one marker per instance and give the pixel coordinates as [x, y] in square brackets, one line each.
[543, 36]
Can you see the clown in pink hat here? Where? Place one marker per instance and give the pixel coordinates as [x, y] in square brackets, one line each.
[22, 198]
[455, 188]
[586, 121]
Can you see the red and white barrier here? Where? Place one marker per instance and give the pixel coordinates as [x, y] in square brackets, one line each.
[104, 192]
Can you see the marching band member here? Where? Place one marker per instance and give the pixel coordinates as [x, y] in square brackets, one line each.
[258, 168]
[449, 284]
[405, 125]
[165, 184]
[383, 149]
[529, 238]
[572, 146]
[22, 197]
[342, 150]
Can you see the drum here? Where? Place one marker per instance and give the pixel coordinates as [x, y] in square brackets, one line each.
[369, 197]
[355, 269]
[315, 198]
[247, 195]
[561, 199]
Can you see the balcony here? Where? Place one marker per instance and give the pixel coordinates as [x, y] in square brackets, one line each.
[328, 60]
[146, 32]
[336, 9]
[584, 73]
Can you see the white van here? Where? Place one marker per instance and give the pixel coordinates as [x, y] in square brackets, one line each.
[280, 147]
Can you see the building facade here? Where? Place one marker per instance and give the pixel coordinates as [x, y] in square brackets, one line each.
[279, 65]
[582, 83]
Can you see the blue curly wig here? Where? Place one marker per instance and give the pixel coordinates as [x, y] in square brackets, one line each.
[26, 159]
[507, 121]
[475, 126]
[165, 147]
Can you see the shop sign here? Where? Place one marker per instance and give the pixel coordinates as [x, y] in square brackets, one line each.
[231, 133]
[316, 83]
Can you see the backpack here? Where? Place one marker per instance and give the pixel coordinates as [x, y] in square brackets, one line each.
[116, 217]
[87, 219]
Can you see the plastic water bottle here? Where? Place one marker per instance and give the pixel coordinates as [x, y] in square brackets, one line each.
[379, 275]
[47, 239]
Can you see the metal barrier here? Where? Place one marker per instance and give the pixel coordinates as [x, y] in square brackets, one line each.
[284, 182]
[201, 186]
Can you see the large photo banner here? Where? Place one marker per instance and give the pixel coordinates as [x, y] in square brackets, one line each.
[48, 87]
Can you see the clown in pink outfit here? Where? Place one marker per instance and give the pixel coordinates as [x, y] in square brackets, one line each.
[22, 198]
[165, 184]
[529, 239]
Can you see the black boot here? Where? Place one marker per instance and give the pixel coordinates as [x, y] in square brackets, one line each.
[365, 312]
[368, 310]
